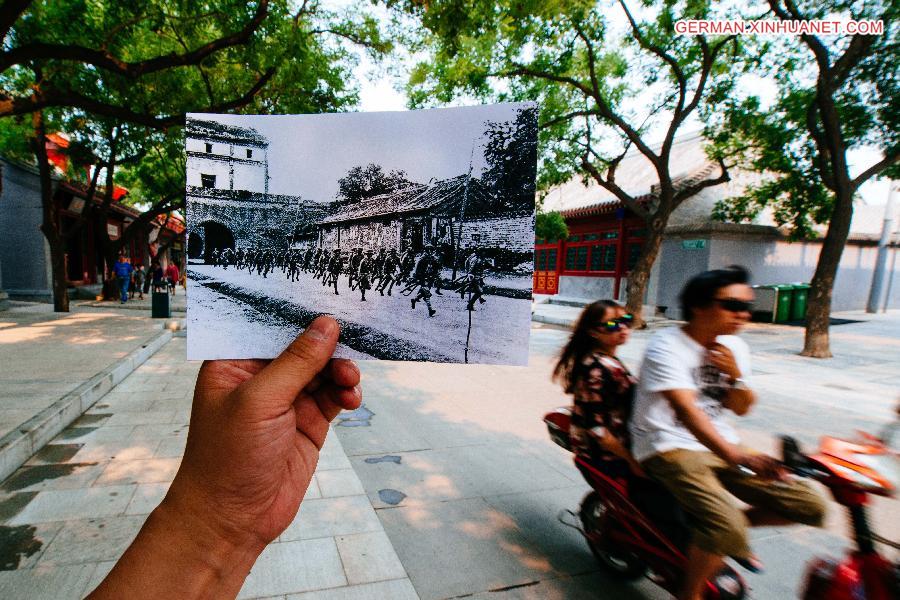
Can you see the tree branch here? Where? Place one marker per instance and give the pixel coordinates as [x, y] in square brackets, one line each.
[133, 70]
[875, 169]
[603, 108]
[10, 12]
[568, 117]
[662, 54]
[49, 98]
[608, 183]
[695, 188]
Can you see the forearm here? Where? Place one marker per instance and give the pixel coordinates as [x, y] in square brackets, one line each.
[175, 556]
[696, 421]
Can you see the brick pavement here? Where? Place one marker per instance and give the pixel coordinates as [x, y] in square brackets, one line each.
[71, 511]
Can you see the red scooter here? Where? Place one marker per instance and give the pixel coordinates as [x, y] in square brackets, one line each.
[634, 527]
[852, 471]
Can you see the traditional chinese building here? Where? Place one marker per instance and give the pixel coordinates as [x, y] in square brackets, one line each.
[605, 239]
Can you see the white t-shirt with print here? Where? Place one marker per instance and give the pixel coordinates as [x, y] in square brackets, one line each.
[675, 361]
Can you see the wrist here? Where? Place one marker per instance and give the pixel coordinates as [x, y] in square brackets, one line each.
[214, 557]
[734, 456]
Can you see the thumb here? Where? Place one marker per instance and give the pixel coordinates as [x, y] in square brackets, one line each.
[282, 380]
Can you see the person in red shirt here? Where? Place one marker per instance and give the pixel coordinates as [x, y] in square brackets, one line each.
[173, 276]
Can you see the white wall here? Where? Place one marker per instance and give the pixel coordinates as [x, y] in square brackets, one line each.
[771, 261]
[230, 165]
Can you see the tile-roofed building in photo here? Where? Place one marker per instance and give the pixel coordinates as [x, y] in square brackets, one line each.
[605, 238]
[459, 212]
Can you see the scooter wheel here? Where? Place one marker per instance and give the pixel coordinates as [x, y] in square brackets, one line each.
[597, 523]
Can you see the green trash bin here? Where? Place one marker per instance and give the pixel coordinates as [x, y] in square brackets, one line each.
[799, 301]
[785, 295]
[773, 303]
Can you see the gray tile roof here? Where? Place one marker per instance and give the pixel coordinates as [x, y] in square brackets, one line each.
[443, 197]
[219, 132]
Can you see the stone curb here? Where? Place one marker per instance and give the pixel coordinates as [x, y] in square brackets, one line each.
[550, 320]
[19, 445]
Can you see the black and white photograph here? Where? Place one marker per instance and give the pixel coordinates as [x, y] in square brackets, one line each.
[413, 229]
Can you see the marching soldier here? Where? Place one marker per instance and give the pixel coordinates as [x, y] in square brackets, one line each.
[364, 273]
[423, 277]
[388, 269]
[353, 267]
[407, 263]
[474, 280]
[335, 266]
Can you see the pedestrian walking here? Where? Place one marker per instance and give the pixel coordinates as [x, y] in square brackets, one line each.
[138, 277]
[123, 270]
[172, 275]
[158, 277]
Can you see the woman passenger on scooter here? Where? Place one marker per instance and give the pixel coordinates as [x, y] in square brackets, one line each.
[602, 388]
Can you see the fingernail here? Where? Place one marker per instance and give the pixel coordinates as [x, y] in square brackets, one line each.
[319, 329]
[357, 391]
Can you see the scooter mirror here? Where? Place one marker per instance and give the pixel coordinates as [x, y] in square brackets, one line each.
[791, 455]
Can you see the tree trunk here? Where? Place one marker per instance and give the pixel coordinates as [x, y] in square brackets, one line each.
[818, 315]
[639, 276]
[51, 226]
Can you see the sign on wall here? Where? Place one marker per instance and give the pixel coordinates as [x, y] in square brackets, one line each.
[693, 244]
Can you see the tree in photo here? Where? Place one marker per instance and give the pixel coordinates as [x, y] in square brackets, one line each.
[510, 152]
[363, 182]
[834, 95]
[603, 91]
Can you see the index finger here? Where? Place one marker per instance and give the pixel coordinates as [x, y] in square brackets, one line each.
[279, 383]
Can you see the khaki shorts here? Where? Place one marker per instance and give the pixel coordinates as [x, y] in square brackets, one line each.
[700, 481]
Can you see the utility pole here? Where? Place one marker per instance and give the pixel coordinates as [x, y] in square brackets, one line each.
[462, 214]
[875, 291]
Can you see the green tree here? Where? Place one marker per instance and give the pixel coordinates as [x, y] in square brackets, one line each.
[147, 63]
[550, 226]
[834, 94]
[601, 93]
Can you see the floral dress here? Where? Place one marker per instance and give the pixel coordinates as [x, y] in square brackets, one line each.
[603, 390]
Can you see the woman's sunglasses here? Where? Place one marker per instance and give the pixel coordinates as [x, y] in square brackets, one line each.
[616, 324]
[732, 305]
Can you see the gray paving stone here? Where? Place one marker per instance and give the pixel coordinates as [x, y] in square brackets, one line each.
[369, 557]
[398, 589]
[329, 517]
[459, 547]
[339, 482]
[91, 540]
[154, 470]
[296, 566]
[147, 496]
[42, 583]
[64, 505]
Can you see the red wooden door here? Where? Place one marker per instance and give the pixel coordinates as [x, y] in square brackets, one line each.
[546, 274]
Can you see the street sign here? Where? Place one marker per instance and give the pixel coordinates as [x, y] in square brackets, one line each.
[693, 244]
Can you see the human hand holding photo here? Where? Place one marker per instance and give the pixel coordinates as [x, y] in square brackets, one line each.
[256, 430]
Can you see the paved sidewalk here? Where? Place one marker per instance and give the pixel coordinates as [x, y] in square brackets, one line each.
[458, 464]
[46, 355]
[74, 508]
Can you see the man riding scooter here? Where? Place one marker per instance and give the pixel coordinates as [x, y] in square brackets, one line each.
[681, 435]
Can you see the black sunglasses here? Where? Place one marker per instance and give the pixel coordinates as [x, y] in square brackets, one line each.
[617, 324]
[732, 305]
